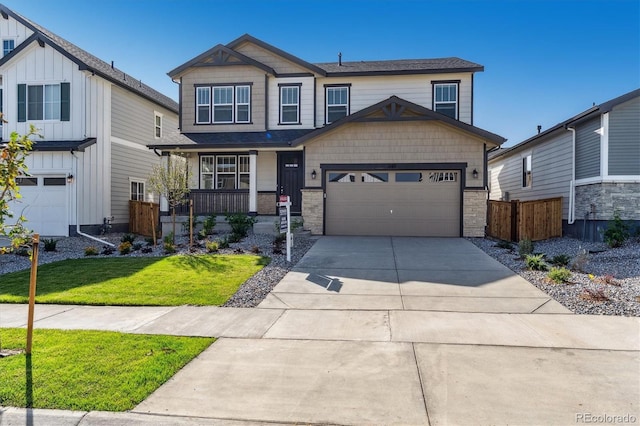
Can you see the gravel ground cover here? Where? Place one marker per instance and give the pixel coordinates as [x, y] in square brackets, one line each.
[604, 281]
[250, 294]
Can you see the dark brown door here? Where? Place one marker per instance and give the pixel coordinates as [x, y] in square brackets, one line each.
[290, 176]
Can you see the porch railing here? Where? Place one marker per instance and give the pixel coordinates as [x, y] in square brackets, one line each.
[218, 201]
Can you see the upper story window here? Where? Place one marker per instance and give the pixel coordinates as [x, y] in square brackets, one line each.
[226, 105]
[224, 172]
[44, 102]
[337, 103]
[137, 190]
[445, 99]
[290, 104]
[526, 172]
[8, 46]
[157, 124]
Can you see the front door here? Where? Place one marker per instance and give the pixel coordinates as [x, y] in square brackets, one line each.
[290, 178]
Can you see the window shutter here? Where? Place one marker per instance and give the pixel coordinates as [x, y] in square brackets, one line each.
[22, 103]
[65, 101]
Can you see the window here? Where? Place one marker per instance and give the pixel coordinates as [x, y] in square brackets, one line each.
[157, 125]
[8, 46]
[371, 177]
[445, 99]
[337, 103]
[408, 177]
[203, 107]
[228, 104]
[27, 181]
[526, 171]
[435, 177]
[44, 102]
[137, 190]
[224, 172]
[54, 181]
[289, 104]
[342, 177]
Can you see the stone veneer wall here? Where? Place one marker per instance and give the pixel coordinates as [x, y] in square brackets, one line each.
[313, 210]
[267, 203]
[474, 214]
[608, 198]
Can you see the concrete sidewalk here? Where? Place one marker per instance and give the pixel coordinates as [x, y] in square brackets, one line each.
[378, 331]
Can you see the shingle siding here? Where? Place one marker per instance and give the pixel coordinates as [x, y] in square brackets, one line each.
[624, 139]
[588, 149]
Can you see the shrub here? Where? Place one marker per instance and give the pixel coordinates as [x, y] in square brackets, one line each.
[169, 248]
[224, 243]
[168, 239]
[559, 275]
[90, 251]
[136, 246]
[212, 246]
[617, 232]
[146, 249]
[50, 244]
[124, 247]
[504, 245]
[208, 224]
[535, 262]
[23, 251]
[560, 260]
[525, 247]
[235, 237]
[296, 224]
[128, 238]
[106, 250]
[240, 223]
[201, 235]
[186, 225]
[149, 241]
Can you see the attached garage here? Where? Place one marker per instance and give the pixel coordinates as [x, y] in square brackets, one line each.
[418, 202]
[44, 204]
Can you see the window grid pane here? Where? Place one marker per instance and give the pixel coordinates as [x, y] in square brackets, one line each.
[289, 100]
[242, 104]
[206, 172]
[445, 99]
[35, 102]
[203, 99]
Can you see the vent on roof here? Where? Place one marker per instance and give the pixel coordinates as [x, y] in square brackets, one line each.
[539, 128]
[340, 59]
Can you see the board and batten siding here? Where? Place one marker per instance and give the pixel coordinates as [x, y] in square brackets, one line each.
[220, 75]
[37, 66]
[624, 139]
[306, 102]
[550, 168]
[10, 29]
[365, 91]
[395, 142]
[128, 162]
[588, 149]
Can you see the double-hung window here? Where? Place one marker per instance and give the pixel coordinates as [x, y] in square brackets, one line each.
[290, 104]
[157, 124]
[137, 190]
[44, 102]
[224, 171]
[337, 103]
[445, 99]
[8, 46]
[224, 104]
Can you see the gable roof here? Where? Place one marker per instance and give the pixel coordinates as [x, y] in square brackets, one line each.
[85, 61]
[398, 109]
[587, 114]
[400, 66]
[219, 55]
[234, 140]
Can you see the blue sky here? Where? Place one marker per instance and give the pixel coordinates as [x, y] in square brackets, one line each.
[544, 60]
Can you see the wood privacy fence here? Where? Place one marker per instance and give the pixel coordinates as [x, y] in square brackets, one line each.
[516, 220]
[143, 218]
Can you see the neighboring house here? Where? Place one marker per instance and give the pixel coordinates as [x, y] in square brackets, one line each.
[362, 148]
[95, 122]
[592, 160]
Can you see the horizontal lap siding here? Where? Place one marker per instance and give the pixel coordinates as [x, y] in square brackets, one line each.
[278, 63]
[624, 139]
[551, 171]
[588, 149]
[306, 102]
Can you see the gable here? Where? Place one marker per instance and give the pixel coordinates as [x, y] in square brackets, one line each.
[271, 59]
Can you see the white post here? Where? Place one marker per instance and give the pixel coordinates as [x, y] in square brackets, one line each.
[253, 181]
[289, 236]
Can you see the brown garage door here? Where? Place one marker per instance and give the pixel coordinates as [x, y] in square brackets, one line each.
[402, 203]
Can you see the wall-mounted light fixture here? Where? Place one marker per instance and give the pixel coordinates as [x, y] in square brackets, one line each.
[69, 178]
[475, 173]
[314, 174]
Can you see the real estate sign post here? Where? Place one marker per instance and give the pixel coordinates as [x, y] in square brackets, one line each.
[285, 221]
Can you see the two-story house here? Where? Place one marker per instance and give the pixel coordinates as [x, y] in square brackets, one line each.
[362, 148]
[95, 122]
[591, 160]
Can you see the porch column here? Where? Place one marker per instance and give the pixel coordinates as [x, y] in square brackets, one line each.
[164, 203]
[253, 183]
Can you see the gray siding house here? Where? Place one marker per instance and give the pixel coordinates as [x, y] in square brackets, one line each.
[592, 160]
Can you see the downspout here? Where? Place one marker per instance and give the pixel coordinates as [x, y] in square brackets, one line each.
[78, 210]
[571, 217]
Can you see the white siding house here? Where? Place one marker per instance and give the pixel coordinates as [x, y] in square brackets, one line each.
[94, 122]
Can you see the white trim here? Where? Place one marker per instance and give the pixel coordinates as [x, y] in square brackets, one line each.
[604, 145]
[156, 115]
[616, 179]
[237, 104]
[145, 196]
[327, 105]
[128, 144]
[226, 104]
[524, 155]
[208, 105]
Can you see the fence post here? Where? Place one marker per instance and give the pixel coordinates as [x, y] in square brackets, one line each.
[515, 226]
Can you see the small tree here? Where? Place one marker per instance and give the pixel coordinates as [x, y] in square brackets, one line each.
[172, 182]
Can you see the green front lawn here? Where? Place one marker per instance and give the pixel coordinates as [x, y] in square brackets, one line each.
[90, 370]
[151, 281]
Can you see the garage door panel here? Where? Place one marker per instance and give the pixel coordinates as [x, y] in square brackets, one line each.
[426, 208]
[44, 205]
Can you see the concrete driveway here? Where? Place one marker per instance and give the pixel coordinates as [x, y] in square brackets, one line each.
[410, 331]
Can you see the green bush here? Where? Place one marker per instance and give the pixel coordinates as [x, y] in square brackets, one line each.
[212, 246]
[224, 243]
[525, 247]
[208, 224]
[201, 235]
[240, 223]
[168, 239]
[124, 247]
[169, 248]
[50, 244]
[235, 237]
[504, 245]
[136, 246]
[559, 275]
[560, 260]
[186, 226]
[128, 238]
[535, 262]
[90, 251]
[617, 232]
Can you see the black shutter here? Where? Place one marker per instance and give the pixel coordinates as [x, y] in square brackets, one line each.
[22, 103]
[65, 101]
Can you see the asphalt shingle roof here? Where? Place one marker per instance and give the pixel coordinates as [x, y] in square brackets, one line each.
[401, 66]
[270, 138]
